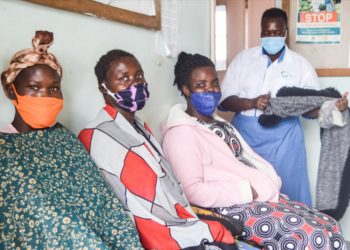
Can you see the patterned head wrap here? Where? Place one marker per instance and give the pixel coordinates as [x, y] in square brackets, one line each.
[29, 57]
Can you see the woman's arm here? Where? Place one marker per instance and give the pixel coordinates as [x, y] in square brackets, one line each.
[204, 185]
[236, 104]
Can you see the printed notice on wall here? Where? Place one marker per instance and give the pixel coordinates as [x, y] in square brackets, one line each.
[318, 21]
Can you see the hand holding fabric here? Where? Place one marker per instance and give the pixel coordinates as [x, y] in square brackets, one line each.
[342, 103]
[261, 101]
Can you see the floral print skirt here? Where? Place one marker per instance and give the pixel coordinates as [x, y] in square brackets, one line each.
[286, 225]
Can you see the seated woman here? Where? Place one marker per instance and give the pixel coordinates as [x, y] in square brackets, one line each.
[52, 196]
[219, 170]
[132, 162]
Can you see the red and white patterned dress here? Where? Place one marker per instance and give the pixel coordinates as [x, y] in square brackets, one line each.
[133, 164]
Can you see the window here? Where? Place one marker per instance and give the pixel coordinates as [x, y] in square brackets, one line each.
[220, 37]
[237, 27]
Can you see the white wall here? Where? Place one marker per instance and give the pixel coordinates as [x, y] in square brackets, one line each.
[80, 41]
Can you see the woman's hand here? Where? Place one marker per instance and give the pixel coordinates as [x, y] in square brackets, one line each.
[342, 103]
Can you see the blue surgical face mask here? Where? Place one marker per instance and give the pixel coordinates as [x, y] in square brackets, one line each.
[205, 102]
[132, 98]
[272, 45]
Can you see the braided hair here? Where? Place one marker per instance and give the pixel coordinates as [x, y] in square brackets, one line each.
[275, 13]
[105, 61]
[185, 65]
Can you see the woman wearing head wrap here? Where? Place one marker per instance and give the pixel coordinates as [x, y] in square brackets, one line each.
[20, 83]
[219, 170]
[51, 193]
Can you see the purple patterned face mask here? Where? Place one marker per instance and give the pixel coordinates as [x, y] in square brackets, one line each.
[131, 99]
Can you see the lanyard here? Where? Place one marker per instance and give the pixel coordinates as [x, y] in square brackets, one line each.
[141, 132]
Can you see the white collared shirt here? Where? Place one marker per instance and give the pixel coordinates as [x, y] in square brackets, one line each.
[249, 75]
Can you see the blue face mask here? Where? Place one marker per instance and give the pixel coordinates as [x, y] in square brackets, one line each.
[205, 102]
[272, 45]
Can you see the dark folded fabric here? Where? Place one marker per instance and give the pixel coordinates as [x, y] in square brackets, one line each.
[333, 187]
[233, 225]
[218, 245]
[272, 115]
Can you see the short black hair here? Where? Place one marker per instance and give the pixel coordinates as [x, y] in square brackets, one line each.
[184, 66]
[103, 64]
[275, 13]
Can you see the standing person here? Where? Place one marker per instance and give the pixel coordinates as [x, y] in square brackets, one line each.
[252, 78]
[52, 195]
[132, 162]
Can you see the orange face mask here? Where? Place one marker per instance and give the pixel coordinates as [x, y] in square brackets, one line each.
[38, 112]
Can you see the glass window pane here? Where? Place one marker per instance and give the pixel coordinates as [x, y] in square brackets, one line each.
[220, 37]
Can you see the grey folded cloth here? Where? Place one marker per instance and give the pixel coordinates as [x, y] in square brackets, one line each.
[333, 190]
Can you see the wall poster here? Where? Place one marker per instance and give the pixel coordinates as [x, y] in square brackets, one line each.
[318, 21]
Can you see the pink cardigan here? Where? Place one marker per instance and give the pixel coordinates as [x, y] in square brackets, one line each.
[9, 129]
[208, 170]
